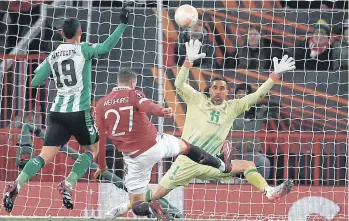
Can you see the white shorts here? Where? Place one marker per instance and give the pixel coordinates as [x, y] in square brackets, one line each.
[138, 169]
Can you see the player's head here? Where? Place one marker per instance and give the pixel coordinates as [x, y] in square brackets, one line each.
[321, 32]
[71, 30]
[218, 90]
[241, 90]
[127, 78]
[254, 36]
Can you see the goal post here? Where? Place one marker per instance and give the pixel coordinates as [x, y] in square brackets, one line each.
[299, 131]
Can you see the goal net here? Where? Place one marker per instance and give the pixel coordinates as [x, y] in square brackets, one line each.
[298, 131]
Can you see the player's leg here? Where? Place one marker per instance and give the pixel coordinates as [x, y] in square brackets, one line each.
[257, 180]
[140, 207]
[261, 161]
[137, 179]
[175, 146]
[86, 133]
[200, 156]
[180, 174]
[56, 136]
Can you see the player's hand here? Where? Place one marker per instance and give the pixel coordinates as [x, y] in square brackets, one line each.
[193, 48]
[168, 112]
[98, 173]
[286, 64]
[125, 12]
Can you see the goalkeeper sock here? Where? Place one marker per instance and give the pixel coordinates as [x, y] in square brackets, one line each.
[200, 156]
[141, 208]
[81, 165]
[148, 196]
[255, 178]
[29, 170]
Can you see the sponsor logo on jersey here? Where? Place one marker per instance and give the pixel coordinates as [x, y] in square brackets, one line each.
[91, 130]
[139, 95]
[214, 117]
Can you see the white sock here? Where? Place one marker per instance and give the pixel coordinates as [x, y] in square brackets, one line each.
[68, 184]
[268, 190]
[124, 208]
[222, 166]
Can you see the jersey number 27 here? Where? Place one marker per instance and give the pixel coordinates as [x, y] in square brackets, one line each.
[117, 121]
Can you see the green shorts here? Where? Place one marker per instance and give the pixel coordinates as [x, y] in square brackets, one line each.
[184, 169]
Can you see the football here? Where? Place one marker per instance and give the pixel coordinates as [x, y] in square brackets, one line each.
[186, 16]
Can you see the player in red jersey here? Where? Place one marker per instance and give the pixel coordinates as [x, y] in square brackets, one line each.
[122, 115]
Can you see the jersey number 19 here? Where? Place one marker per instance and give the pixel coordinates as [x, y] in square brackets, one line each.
[117, 121]
[68, 72]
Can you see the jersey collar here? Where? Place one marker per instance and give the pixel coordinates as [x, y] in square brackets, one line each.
[121, 88]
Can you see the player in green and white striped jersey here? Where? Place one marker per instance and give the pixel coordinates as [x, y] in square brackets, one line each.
[70, 115]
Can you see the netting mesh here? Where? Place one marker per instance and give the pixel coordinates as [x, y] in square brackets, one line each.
[298, 131]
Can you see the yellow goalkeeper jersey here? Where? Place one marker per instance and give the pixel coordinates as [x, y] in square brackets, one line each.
[207, 125]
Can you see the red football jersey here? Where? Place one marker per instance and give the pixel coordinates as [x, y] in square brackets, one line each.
[122, 115]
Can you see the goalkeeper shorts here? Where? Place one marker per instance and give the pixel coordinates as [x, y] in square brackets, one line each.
[183, 170]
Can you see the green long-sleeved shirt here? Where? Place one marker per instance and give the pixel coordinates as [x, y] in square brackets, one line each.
[207, 125]
[70, 65]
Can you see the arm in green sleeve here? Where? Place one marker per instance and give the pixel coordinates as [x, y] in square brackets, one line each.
[92, 51]
[184, 90]
[112, 40]
[41, 73]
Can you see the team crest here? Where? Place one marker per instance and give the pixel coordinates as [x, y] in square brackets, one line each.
[139, 95]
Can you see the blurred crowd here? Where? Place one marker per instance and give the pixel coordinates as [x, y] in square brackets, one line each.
[319, 50]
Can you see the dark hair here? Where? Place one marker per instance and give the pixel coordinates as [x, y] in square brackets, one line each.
[126, 75]
[206, 91]
[219, 79]
[243, 86]
[70, 27]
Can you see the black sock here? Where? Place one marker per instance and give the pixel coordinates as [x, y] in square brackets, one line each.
[141, 208]
[200, 156]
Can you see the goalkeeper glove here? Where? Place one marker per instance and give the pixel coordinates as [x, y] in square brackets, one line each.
[286, 64]
[125, 12]
[193, 47]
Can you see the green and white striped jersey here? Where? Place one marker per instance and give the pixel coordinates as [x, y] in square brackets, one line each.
[70, 65]
[72, 74]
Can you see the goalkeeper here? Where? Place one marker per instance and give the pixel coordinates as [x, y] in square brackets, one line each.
[70, 114]
[208, 122]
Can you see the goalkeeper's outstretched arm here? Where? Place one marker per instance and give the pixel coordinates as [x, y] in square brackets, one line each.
[286, 64]
[184, 90]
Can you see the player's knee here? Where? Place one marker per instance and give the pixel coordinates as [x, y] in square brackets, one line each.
[94, 149]
[183, 147]
[48, 153]
[242, 165]
[158, 192]
[134, 198]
